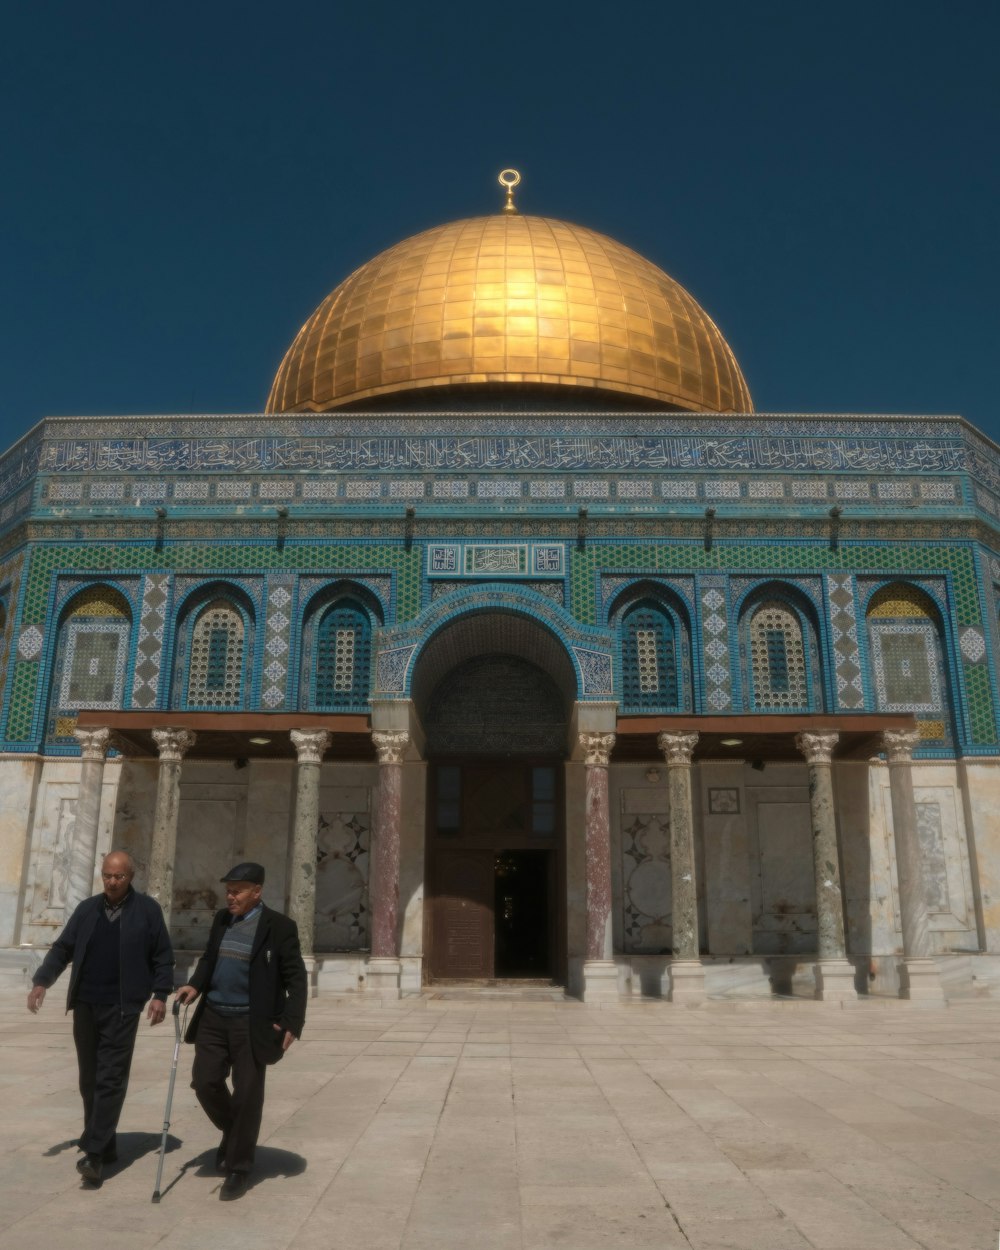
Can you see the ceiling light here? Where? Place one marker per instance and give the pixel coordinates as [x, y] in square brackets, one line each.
[726, 742]
[260, 742]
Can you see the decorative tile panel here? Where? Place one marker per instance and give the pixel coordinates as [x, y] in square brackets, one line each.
[149, 640]
[278, 639]
[715, 645]
[848, 673]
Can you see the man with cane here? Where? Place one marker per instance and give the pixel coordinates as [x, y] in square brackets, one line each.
[254, 1006]
[120, 950]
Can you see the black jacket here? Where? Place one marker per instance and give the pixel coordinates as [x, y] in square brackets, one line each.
[278, 983]
[147, 963]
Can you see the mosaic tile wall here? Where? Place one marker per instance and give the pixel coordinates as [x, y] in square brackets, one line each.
[284, 506]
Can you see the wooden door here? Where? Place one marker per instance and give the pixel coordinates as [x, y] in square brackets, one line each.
[463, 915]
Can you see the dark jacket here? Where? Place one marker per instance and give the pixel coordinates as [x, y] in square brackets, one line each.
[147, 958]
[278, 983]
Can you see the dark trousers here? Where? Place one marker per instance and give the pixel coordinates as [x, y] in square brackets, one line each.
[104, 1042]
[222, 1047]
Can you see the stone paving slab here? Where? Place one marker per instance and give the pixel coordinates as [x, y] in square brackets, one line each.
[504, 1125]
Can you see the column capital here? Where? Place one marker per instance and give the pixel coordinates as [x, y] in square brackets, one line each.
[173, 744]
[391, 745]
[597, 748]
[94, 743]
[899, 744]
[310, 744]
[677, 748]
[817, 747]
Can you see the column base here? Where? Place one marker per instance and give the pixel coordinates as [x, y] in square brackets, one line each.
[310, 963]
[687, 981]
[920, 983]
[382, 978]
[600, 982]
[834, 981]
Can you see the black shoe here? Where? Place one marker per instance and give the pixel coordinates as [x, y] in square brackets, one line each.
[220, 1155]
[234, 1186]
[90, 1167]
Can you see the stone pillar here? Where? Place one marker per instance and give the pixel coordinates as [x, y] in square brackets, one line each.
[919, 979]
[687, 976]
[94, 744]
[833, 971]
[383, 884]
[600, 975]
[173, 745]
[310, 747]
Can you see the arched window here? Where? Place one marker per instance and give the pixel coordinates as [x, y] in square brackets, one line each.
[91, 657]
[907, 658]
[780, 677]
[217, 655]
[342, 644]
[649, 658]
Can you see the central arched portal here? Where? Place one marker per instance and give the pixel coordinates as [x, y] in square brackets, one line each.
[494, 692]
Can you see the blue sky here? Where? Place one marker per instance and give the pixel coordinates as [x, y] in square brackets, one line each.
[181, 184]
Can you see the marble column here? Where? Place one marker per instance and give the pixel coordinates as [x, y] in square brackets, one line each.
[600, 975]
[383, 885]
[173, 745]
[919, 979]
[833, 971]
[310, 747]
[687, 976]
[94, 744]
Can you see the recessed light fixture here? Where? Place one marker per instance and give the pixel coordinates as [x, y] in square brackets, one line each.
[260, 742]
[726, 742]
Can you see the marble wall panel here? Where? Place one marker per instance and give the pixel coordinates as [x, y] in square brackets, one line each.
[645, 870]
[270, 800]
[981, 783]
[726, 877]
[945, 855]
[783, 890]
[211, 830]
[412, 860]
[868, 882]
[343, 846]
[18, 780]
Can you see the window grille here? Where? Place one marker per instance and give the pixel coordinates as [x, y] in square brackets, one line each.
[215, 670]
[778, 659]
[649, 658]
[343, 657]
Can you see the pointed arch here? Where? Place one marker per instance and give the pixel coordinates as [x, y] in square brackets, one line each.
[906, 648]
[336, 648]
[91, 658]
[654, 638]
[779, 651]
[214, 655]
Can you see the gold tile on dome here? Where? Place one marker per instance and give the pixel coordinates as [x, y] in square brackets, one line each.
[528, 297]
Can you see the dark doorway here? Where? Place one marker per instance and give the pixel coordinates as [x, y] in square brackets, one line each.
[495, 871]
[521, 914]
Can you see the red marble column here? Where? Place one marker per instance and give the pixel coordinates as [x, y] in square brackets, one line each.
[600, 976]
[383, 885]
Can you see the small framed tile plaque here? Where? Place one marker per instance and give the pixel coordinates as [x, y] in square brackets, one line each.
[723, 801]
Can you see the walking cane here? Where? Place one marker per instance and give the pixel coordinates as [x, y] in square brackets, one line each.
[178, 1032]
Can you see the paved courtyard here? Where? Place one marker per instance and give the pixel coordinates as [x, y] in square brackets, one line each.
[496, 1125]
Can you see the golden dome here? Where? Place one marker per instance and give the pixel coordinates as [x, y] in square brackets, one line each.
[509, 299]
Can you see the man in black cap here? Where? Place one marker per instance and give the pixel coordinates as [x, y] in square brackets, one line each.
[254, 1006]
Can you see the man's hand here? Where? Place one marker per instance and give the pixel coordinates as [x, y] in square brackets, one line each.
[187, 994]
[287, 1040]
[157, 1011]
[36, 998]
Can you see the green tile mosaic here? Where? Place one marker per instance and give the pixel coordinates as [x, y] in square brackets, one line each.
[980, 703]
[234, 560]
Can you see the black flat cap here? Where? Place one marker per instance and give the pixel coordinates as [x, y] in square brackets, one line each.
[254, 873]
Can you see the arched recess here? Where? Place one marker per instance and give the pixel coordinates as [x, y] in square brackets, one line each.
[336, 650]
[91, 658]
[213, 657]
[780, 663]
[654, 648]
[908, 670]
[494, 682]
